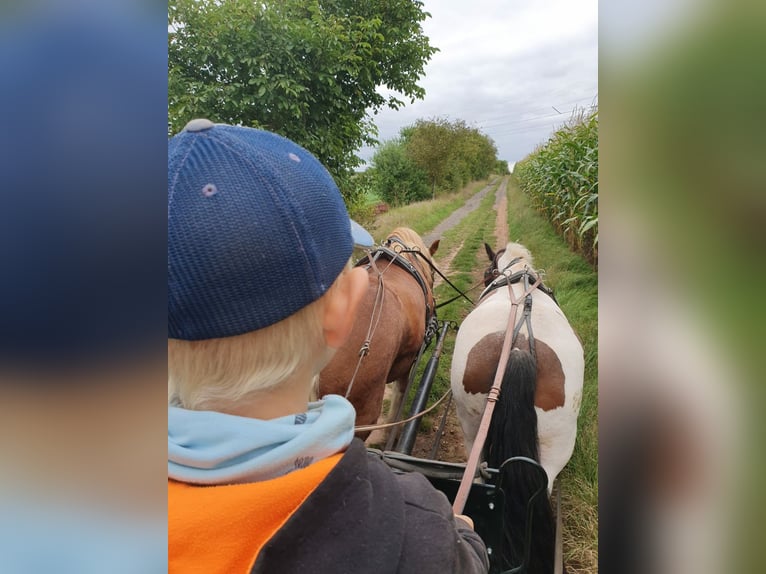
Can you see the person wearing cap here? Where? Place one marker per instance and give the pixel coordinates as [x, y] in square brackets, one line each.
[260, 293]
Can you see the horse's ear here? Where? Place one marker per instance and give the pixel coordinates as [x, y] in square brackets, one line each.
[491, 254]
[434, 246]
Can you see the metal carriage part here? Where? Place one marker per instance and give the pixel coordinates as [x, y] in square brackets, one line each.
[485, 503]
[410, 430]
[405, 443]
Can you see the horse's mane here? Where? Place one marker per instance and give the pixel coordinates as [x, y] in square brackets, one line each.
[513, 250]
[411, 239]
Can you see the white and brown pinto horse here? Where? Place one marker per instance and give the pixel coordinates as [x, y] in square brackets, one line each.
[536, 413]
[390, 327]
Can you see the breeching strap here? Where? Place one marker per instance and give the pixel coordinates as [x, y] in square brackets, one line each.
[481, 435]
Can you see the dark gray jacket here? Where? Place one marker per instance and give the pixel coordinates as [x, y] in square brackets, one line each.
[364, 519]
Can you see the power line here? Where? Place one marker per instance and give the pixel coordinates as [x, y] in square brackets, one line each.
[535, 109]
[522, 122]
[525, 120]
[540, 109]
[521, 129]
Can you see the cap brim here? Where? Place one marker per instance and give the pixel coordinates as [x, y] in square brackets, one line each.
[360, 235]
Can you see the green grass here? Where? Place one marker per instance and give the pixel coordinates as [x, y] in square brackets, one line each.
[371, 198]
[423, 216]
[576, 287]
[476, 228]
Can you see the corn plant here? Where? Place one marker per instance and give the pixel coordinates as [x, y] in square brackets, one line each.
[561, 178]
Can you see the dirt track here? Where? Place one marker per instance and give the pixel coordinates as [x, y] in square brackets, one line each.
[501, 222]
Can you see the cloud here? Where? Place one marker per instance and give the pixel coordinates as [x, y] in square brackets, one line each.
[502, 66]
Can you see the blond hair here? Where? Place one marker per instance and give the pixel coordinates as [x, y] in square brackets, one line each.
[211, 372]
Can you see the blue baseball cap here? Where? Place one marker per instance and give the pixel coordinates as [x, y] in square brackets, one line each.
[257, 230]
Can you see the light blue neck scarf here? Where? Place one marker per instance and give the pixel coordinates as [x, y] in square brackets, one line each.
[206, 447]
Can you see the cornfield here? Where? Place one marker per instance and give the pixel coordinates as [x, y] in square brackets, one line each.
[561, 178]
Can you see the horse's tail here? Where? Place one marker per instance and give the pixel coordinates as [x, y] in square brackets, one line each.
[513, 432]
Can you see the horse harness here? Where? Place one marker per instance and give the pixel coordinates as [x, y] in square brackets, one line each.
[502, 279]
[395, 258]
[387, 252]
[531, 281]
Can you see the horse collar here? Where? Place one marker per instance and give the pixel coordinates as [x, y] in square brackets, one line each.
[398, 260]
[503, 280]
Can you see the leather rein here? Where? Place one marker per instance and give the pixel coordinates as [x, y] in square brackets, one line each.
[530, 283]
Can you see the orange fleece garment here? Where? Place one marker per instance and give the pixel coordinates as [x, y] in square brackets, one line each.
[214, 529]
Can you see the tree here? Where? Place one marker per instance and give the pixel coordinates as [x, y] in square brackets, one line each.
[307, 69]
[451, 153]
[429, 144]
[396, 178]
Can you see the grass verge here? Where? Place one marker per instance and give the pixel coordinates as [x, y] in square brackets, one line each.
[469, 235]
[576, 286]
[423, 216]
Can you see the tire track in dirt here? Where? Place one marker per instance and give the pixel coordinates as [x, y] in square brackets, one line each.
[444, 263]
[501, 222]
[451, 447]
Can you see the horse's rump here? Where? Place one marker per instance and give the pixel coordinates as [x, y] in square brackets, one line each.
[536, 412]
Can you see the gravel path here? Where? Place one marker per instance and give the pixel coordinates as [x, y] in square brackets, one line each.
[443, 259]
[458, 215]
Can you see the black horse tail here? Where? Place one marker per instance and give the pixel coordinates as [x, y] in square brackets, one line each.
[513, 432]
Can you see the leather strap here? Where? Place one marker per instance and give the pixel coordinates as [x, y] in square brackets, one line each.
[494, 393]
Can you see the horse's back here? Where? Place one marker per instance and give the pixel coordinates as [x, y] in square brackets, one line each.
[483, 330]
[382, 328]
[560, 367]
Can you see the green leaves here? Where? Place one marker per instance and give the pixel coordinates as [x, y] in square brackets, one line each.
[395, 176]
[561, 179]
[430, 154]
[451, 153]
[308, 70]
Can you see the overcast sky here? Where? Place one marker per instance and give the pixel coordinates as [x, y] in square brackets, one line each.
[503, 66]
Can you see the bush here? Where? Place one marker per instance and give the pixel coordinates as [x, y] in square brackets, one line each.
[356, 189]
[450, 152]
[395, 178]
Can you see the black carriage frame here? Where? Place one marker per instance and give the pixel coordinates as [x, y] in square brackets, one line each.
[486, 499]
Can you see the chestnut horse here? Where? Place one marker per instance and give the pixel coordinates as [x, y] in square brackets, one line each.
[389, 330]
[536, 413]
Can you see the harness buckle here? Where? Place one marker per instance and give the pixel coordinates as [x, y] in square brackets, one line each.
[528, 304]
